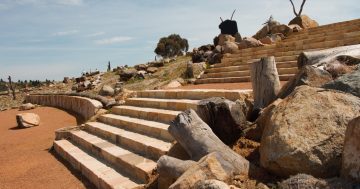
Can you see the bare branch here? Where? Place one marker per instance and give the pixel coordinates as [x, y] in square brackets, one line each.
[232, 15]
[221, 19]
[301, 8]
[293, 8]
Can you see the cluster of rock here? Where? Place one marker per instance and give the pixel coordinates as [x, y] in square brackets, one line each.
[308, 137]
[85, 82]
[270, 33]
[140, 71]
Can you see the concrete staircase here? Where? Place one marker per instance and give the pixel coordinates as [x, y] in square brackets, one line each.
[235, 67]
[120, 150]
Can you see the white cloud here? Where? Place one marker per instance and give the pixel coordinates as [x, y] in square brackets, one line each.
[95, 34]
[64, 33]
[70, 2]
[113, 40]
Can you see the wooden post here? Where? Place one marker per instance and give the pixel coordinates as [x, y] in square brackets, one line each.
[12, 88]
[265, 82]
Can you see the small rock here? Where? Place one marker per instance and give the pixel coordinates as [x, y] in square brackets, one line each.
[27, 106]
[157, 64]
[172, 84]
[225, 38]
[189, 72]
[211, 184]
[249, 42]
[66, 80]
[107, 90]
[304, 22]
[152, 69]
[230, 47]
[140, 67]
[127, 74]
[26, 120]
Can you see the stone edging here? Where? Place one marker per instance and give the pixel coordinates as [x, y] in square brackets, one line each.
[83, 106]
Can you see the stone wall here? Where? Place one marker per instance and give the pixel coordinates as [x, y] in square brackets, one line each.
[83, 106]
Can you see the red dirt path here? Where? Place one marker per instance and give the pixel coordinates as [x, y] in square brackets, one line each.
[25, 161]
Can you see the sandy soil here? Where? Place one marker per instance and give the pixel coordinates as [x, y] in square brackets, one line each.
[25, 159]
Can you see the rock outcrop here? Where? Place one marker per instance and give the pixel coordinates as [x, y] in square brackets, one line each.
[306, 131]
[350, 168]
[349, 83]
[304, 22]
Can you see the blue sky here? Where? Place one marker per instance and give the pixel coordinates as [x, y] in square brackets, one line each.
[51, 39]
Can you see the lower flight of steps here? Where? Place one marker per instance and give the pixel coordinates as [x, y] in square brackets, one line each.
[120, 150]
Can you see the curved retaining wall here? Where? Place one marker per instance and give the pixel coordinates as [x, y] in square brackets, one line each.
[83, 106]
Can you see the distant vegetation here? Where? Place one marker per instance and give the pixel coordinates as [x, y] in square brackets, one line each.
[171, 46]
[22, 84]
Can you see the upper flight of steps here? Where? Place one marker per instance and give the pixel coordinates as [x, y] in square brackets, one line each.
[121, 149]
[235, 67]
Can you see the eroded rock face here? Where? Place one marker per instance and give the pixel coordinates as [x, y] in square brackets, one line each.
[308, 75]
[349, 83]
[304, 22]
[350, 168]
[306, 131]
[26, 120]
[308, 181]
[225, 118]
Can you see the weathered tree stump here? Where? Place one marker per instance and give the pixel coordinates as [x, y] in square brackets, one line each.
[265, 81]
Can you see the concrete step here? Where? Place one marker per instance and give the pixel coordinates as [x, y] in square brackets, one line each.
[131, 164]
[193, 94]
[152, 114]
[168, 104]
[145, 127]
[236, 79]
[281, 71]
[147, 146]
[98, 173]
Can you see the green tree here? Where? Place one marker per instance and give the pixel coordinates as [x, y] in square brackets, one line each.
[171, 46]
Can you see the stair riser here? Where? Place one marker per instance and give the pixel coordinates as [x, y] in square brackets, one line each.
[135, 146]
[194, 95]
[152, 116]
[139, 128]
[91, 176]
[244, 61]
[235, 74]
[178, 106]
[116, 162]
[233, 80]
[289, 64]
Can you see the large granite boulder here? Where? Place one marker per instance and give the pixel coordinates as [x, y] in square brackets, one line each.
[309, 182]
[26, 120]
[306, 132]
[304, 22]
[349, 83]
[225, 38]
[350, 168]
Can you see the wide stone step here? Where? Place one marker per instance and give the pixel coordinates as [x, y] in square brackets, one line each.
[98, 173]
[168, 104]
[193, 94]
[133, 165]
[236, 79]
[241, 60]
[147, 146]
[244, 67]
[152, 114]
[281, 71]
[146, 127]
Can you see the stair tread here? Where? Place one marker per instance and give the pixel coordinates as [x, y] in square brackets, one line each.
[166, 100]
[145, 109]
[138, 121]
[148, 141]
[143, 163]
[106, 173]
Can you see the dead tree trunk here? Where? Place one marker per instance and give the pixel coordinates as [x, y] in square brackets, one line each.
[265, 81]
[198, 140]
[12, 88]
